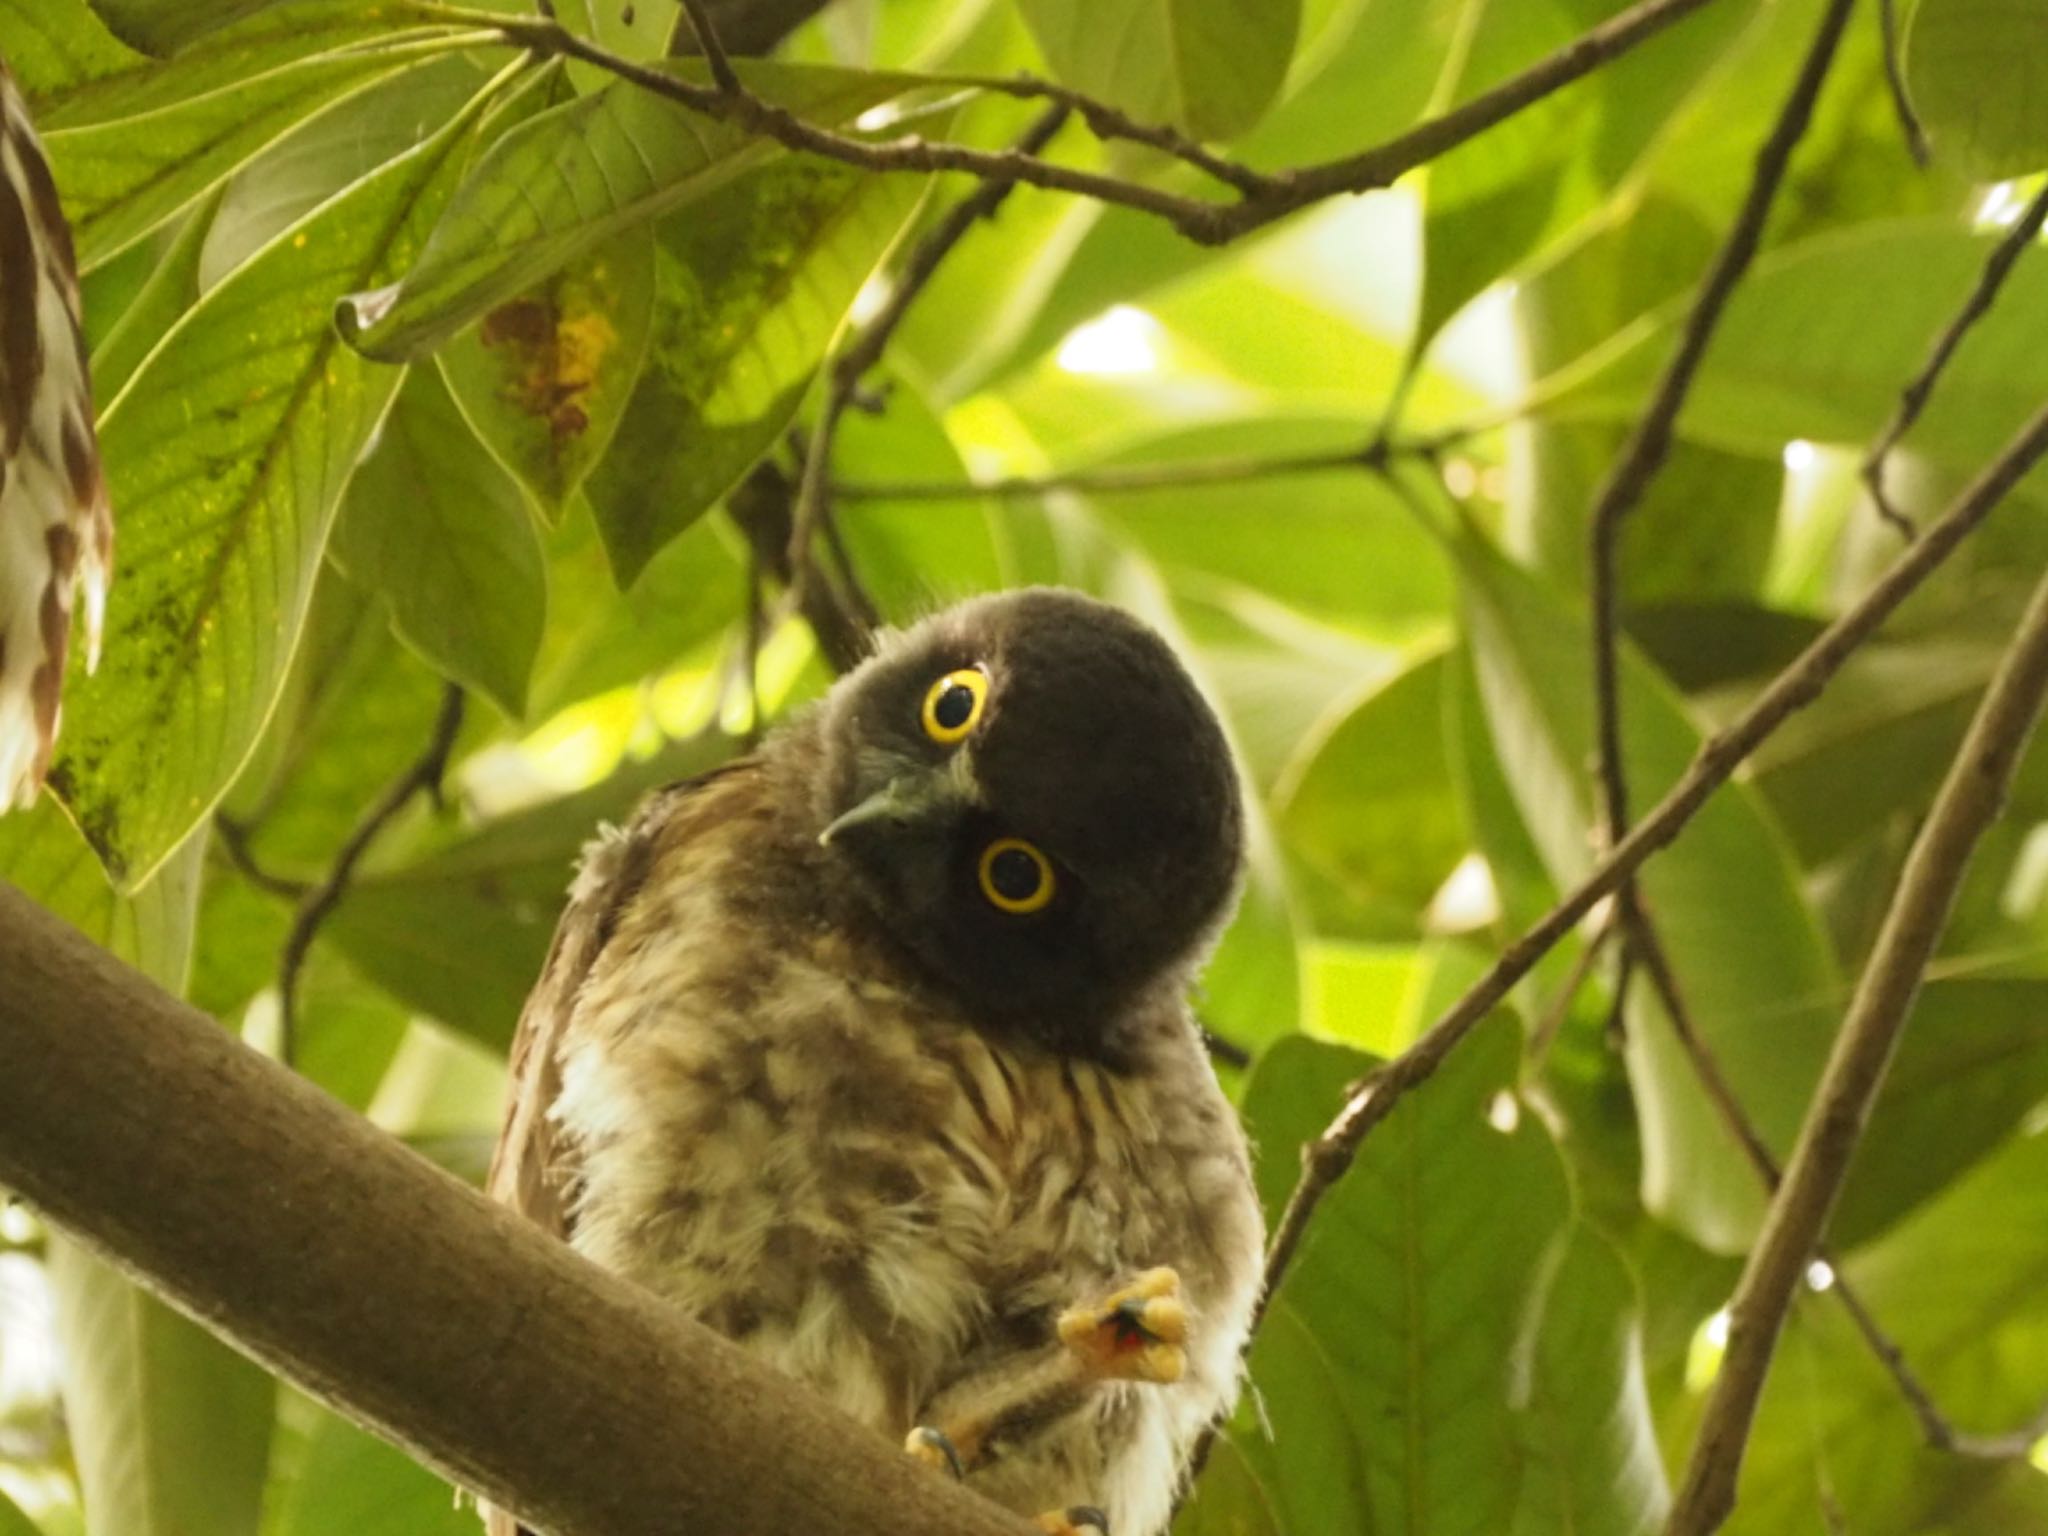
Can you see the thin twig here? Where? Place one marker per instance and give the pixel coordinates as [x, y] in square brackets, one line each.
[234, 841]
[1370, 1101]
[1970, 799]
[423, 774]
[814, 497]
[713, 51]
[1261, 198]
[1895, 81]
[1650, 443]
[1107, 123]
[1232, 470]
[1913, 398]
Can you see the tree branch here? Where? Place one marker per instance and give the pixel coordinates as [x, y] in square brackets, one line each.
[400, 1296]
[1369, 1102]
[1913, 398]
[1970, 799]
[1895, 82]
[1261, 198]
[424, 773]
[1936, 1427]
[1650, 443]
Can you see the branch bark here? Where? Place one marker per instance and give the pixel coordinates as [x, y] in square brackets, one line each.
[402, 1297]
[1970, 799]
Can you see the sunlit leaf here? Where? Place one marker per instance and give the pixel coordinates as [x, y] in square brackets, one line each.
[1209, 66]
[568, 181]
[228, 463]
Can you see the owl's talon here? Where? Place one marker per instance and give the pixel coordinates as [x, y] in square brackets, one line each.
[935, 1448]
[1073, 1520]
[1134, 1334]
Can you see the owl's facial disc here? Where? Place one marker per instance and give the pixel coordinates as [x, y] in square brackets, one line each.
[1031, 796]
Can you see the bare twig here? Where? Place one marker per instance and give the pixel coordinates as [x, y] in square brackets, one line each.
[713, 51]
[424, 773]
[1325, 1159]
[234, 841]
[1650, 443]
[762, 507]
[1895, 81]
[1913, 398]
[814, 497]
[1544, 1035]
[1261, 198]
[1374, 455]
[1969, 800]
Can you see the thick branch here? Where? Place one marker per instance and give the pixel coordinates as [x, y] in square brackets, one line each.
[1650, 443]
[1970, 799]
[397, 1294]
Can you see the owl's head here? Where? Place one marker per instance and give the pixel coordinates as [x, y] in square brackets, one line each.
[1033, 798]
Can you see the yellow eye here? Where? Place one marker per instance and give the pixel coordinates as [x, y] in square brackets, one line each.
[954, 704]
[1016, 877]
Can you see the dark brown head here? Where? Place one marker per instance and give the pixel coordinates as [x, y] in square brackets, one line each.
[1031, 796]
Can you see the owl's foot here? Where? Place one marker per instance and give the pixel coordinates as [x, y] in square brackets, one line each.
[1134, 1334]
[1074, 1521]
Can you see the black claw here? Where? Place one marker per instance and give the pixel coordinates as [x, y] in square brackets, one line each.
[1088, 1514]
[945, 1447]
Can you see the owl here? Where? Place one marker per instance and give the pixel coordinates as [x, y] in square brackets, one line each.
[56, 534]
[872, 1051]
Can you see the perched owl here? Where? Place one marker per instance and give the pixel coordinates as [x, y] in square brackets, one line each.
[56, 535]
[872, 1052]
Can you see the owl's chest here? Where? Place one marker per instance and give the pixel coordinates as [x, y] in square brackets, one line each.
[826, 1169]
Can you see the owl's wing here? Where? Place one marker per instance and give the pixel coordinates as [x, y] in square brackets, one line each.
[530, 1168]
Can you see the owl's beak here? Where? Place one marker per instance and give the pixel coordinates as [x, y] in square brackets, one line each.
[913, 799]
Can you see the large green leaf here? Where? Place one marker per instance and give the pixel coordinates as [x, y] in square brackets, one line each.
[1978, 73]
[1387, 1367]
[171, 1427]
[441, 533]
[1212, 67]
[55, 46]
[164, 26]
[752, 282]
[171, 289]
[142, 149]
[347, 1482]
[1593, 1463]
[42, 855]
[228, 462]
[13, 1522]
[546, 377]
[1728, 886]
[572, 178]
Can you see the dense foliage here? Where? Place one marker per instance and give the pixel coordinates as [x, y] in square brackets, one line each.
[428, 362]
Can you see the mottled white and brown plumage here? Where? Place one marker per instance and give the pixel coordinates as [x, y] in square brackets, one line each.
[56, 533]
[796, 1065]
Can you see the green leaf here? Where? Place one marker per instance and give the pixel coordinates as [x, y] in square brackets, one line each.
[171, 289]
[227, 463]
[164, 26]
[350, 1483]
[55, 46]
[1818, 341]
[1727, 887]
[572, 178]
[13, 1522]
[122, 176]
[1978, 77]
[43, 856]
[441, 533]
[460, 933]
[546, 377]
[1383, 827]
[752, 282]
[1972, 1065]
[1387, 1366]
[1210, 67]
[1593, 1466]
[171, 1427]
